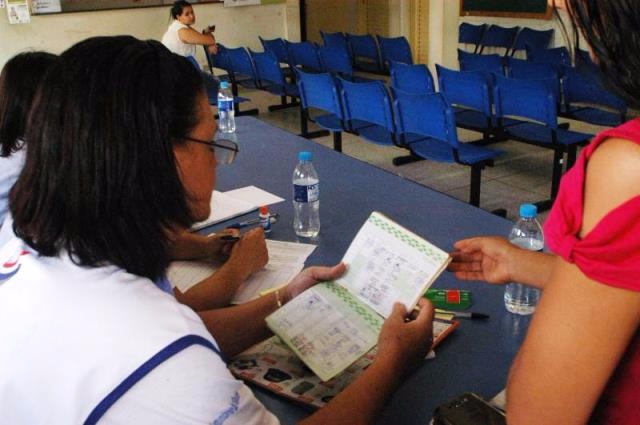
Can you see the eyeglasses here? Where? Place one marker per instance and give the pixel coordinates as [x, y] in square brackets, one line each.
[225, 150]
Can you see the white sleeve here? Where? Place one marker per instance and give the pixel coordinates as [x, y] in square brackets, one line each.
[192, 387]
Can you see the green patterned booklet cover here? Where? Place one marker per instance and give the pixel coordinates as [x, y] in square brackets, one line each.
[333, 324]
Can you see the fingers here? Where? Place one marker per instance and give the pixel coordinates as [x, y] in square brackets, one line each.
[425, 315]
[327, 273]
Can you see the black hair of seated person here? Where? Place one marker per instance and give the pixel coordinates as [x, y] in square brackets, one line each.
[100, 180]
[612, 30]
[178, 7]
[19, 79]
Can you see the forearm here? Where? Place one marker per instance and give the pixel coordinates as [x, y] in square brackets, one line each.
[363, 400]
[239, 327]
[216, 291]
[191, 36]
[531, 268]
[189, 246]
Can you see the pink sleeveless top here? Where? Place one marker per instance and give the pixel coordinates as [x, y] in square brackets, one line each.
[609, 254]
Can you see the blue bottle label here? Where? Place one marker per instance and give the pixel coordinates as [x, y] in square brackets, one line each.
[224, 105]
[303, 193]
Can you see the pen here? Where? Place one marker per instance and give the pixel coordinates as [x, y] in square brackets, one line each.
[464, 314]
[242, 224]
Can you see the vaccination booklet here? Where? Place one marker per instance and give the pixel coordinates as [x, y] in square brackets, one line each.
[333, 324]
[272, 365]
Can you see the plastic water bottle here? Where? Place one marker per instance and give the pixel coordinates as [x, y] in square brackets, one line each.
[527, 234]
[306, 202]
[226, 114]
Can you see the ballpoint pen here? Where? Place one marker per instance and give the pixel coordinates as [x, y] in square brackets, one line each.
[464, 314]
[242, 224]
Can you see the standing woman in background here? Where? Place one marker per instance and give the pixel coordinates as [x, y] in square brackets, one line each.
[180, 38]
[19, 80]
[580, 361]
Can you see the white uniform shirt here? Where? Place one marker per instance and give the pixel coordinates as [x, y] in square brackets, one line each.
[172, 41]
[10, 168]
[72, 334]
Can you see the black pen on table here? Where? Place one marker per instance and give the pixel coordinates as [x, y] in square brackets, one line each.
[242, 224]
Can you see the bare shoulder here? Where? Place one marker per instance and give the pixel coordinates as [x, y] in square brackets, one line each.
[612, 178]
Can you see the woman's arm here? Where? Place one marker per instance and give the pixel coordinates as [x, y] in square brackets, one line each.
[495, 260]
[581, 327]
[191, 36]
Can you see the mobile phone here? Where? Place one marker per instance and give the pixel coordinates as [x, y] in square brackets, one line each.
[468, 409]
[212, 28]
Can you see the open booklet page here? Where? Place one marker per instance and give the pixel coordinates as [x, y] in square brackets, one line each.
[332, 324]
[272, 365]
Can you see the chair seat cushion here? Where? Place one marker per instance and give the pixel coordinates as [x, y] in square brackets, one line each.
[328, 122]
[439, 150]
[376, 134]
[595, 116]
[476, 120]
[541, 135]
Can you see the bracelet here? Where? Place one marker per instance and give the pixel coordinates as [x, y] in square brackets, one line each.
[278, 300]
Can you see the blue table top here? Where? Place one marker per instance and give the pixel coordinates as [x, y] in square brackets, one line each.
[476, 357]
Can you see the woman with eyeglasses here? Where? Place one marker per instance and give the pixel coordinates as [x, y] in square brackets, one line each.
[580, 361]
[119, 152]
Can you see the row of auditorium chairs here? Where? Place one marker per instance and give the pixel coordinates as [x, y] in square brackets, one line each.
[579, 90]
[510, 39]
[412, 115]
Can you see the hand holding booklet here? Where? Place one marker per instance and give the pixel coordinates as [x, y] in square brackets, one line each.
[333, 324]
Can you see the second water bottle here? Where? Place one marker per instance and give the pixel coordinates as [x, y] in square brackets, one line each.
[306, 197]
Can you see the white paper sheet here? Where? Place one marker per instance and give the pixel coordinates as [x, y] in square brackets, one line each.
[254, 195]
[286, 259]
[224, 207]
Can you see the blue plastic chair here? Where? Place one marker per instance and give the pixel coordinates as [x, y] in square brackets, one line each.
[304, 54]
[586, 98]
[273, 79]
[278, 47]
[243, 68]
[471, 34]
[337, 39]
[470, 94]
[547, 72]
[365, 53]
[535, 101]
[474, 62]
[222, 61]
[498, 37]
[411, 78]
[320, 91]
[367, 111]
[557, 55]
[394, 49]
[535, 39]
[426, 126]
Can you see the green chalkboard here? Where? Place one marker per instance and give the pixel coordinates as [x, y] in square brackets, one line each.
[511, 8]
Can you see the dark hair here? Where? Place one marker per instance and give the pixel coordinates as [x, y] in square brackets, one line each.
[178, 7]
[100, 178]
[612, 30]
[19, 81]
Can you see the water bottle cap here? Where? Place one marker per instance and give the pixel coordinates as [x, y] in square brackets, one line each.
[305, 156]
[528, 211]
[224, 85]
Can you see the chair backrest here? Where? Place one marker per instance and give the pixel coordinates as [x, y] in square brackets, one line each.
[557, 55]
[411, 110]
[220, 60]
[194, 62]
[278, 47]
[475, 62]
[471, 34]
[241, 62]
[336, 59]
[305, 54]
[368, 102]
[587, 87]
[394, 49]
[497, 36]
[319, 90]
[533, 99]
[267, 67]
[470, 89]
[411, 78]
[334, 39]
[520, 68]
[364, 46]
[535, 39]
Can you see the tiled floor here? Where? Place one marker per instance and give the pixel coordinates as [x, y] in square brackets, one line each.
[522, 174]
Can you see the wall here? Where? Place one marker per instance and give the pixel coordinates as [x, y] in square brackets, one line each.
[236, 26]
